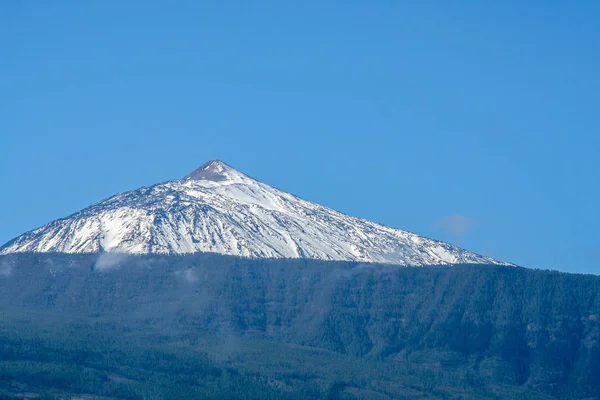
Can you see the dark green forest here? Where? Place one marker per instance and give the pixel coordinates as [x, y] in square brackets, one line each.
[209, 326]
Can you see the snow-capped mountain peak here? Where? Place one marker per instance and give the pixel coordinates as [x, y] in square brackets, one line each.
[217, 208]
[216, 171]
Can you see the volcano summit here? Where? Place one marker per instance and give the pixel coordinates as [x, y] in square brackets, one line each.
[218, 209]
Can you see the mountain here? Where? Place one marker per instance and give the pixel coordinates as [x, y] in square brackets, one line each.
[218, 209]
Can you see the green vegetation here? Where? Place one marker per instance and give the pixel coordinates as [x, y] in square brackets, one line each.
[70, 358]
[209, 326]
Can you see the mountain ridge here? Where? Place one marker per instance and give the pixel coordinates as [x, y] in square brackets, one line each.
[219, 209]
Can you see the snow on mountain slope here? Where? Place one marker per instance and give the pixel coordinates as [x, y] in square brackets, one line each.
[219, 209]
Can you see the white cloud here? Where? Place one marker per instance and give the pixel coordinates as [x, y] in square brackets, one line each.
[5, 269]
[108, 261]
[455, 225]
[189, 275]
[594, 255]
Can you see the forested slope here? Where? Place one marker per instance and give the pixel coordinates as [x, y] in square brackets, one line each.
[537, 332]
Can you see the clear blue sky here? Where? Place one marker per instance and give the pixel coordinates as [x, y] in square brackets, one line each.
[476, 123]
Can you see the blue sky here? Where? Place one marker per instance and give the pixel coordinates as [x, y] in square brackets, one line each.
[474, 123]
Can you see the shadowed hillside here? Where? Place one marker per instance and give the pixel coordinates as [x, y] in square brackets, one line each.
[446, 331]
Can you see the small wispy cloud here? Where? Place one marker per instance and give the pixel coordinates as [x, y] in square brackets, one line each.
[594, 255]
[455, 225]
[108, 261]
[189, 275]
[5, 269]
